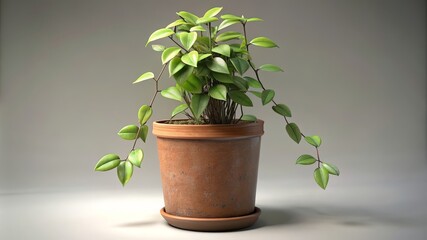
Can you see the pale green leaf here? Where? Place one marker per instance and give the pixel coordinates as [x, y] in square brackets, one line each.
[293, 131]
[321, 176]
[254, 20]
[218, 92]
[212, 12]
[136, 156]
[172, 93]
[197, 29]
[190, 58]
[129, 132]
[206, 20]
[231, 17]
[332, 169]
[203, 56]
[248, 117]
[176, 23]
[199, 102]
[222, 49]
[256, 93]
[227, 23]
[107, 162]
[313, 140]
[240, 65]
[143, 132]
[228, 36]
[267, 96]
[158, 48]
[218, 65]
[179, 109]
[187, 39]
[283, 110]
[175, 65]
[124, 172]
[144, 113]
[144, 76]
[263, 42]
[160, 33]
[170, 53]
[188, 17]
[306, 160]
[270, 68]
[240, 98]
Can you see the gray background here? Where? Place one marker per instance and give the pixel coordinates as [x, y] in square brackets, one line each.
[354, 74]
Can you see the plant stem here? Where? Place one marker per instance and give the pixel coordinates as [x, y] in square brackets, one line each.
[179, 45]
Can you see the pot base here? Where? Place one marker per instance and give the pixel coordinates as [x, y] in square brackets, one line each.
[211, 224]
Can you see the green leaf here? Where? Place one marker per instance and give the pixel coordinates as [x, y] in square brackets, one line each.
[222, 49]
[266, 96]
[254, 20]
[197, 29]
[231, 17]
[199, 102]
[190, 58]
[283, 110]
[212, 12]
[170, 53]
[179, 109]
[172, 93]
[240, 83]
[332, 169]
[128, 132]
[253, 82]
[263, 42]
[313, 140]
[206, 20]
[136, 156]
[228, 36]
[240, 65]
[293, 131]
[176, 23]
[189, 17]
[203, 56]
[321, 176]
[227, 23]
[256, 93]
[124, 172]
[175, 65]
[144, 76]
[144, 113]
[192, 84]
[183, 74]
[224, 78]
[107, 162]
[158, 48]
[218, 92]
[270, 68]
[187, 39]
[250, 118]
[306, 159]
[218, 65]
[240, 98]
[158, 34]
[143, 132]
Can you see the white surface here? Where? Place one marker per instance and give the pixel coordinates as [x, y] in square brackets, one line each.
[374, 211]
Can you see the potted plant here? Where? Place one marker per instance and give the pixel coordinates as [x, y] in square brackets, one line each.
[209, 159]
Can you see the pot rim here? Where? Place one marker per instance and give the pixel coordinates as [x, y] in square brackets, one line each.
[208, 131]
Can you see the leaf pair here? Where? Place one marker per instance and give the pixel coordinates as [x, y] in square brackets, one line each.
[321, 174]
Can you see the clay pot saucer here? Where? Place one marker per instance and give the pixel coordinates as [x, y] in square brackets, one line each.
[211, 224]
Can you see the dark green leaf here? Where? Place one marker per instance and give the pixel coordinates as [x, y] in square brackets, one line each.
[240, 83]
[170, 53]
[158, 48]
[192, 84]
[218, 92]
[253, 82]
[222, 49]
[124, 172]
[306, 159]
[256, 93]
[321, 176]
[199, 102]
[176, 23]
[270, 68]
[332, 169]
[136, 156]
[189, 17]
[187, 39]
[227, 23]
[144, 114]
[172, 93]
[128, 132]
[175, 65]
[158, 34]
[143, 132]
[314, 140]
[240, 98]
[218, 65]
[228, 36]
[240, 65]
[190, 58]
[224, 78]
[212, 12]
[283, 110]
[183, 74]
[293, 131]
[107, 162]
[250, 118]
[179, 109]
[144, 76]
[263, 42]
[266, 96]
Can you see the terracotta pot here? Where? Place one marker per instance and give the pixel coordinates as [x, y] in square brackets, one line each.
[209, 173]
